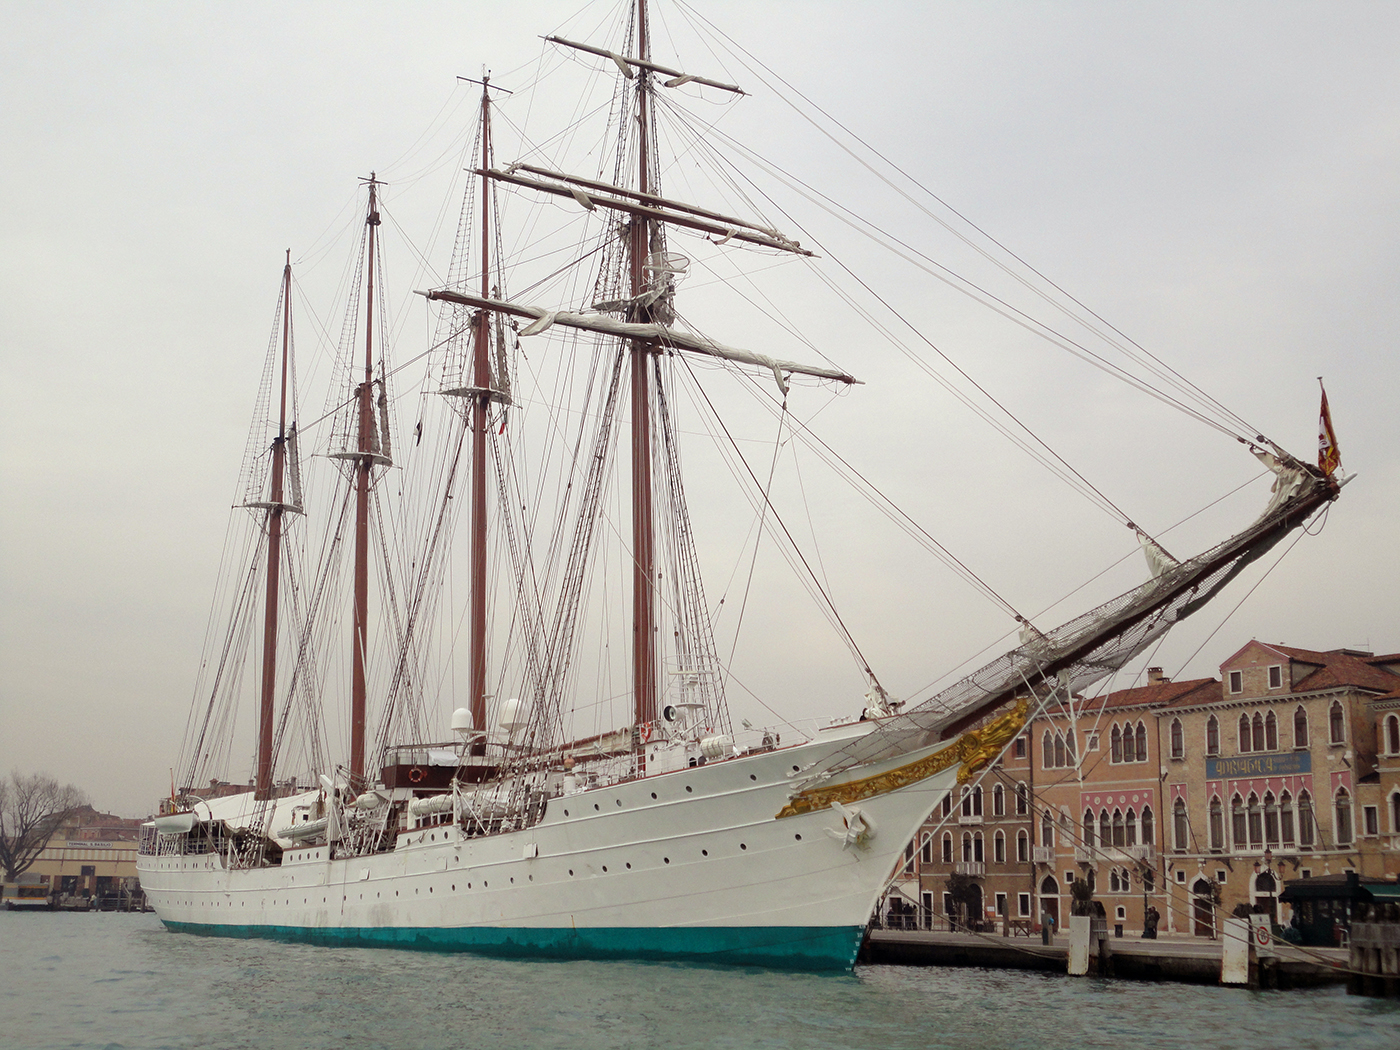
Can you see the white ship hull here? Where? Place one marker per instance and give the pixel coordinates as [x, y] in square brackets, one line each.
[691, 864]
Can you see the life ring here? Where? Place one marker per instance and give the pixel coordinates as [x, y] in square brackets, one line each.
[644, 731]
[416, 775]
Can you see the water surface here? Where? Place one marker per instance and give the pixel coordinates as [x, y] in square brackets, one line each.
[123, 981]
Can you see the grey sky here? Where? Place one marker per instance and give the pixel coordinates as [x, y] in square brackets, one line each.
[1218, 181]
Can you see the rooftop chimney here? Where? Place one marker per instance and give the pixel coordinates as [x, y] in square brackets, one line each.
[1155, 675]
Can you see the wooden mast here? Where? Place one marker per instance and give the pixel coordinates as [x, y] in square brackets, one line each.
[643, 532]
[364, 462]
[263, 787]
[481, 400]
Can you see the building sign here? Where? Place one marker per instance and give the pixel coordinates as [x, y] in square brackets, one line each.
[1286, 764]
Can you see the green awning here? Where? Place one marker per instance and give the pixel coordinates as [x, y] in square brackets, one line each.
[1383, 891]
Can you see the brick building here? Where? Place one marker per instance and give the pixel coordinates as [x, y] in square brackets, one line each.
[1187, 797]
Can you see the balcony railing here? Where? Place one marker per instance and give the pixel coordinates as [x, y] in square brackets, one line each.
[975, 868]
[1116, 855]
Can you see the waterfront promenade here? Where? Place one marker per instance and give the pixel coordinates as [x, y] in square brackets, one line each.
[1169, 958]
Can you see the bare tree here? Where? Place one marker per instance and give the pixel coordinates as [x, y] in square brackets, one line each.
[32, 808]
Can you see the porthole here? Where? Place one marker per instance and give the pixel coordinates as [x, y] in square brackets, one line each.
[605, 867]
[618, 801]
[430, 889]
[653, 794]
[629, 865]
[743, 845]
[666, 860]
[566, 812]
[753, 776]
[595, 805]
[688, 788]
[571, 871]
[704, 853]
[512, 880]
[454, 887]
[484, 884]
[797, 838]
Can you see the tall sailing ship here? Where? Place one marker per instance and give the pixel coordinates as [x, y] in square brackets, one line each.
[670, 834]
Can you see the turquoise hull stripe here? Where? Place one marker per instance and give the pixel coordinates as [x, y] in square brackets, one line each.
[786, 947]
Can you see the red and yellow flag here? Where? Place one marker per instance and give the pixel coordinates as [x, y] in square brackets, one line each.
[1329, 455]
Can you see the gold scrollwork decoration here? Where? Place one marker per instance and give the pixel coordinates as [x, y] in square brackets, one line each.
[974, 749]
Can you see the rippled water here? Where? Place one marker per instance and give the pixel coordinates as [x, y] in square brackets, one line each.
[123, 981]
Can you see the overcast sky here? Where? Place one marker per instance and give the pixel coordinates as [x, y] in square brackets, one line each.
[1216, 180]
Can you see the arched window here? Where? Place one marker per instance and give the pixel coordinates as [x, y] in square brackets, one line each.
[1212, 735]
[1395, 811]
[1217, 825]
[1178, 739]
[1300, 727]
[948, 803]
[1088, 829]
[967, 846]
[1047, 829]
[998, 801]
[1115, 745]
[1129, 747]
[1343, 807]
[1181, 828]
[926, 852]
[1256, 823]
[1059, 751]
[1131, 828]
[966, 804]
[1023, 847]
[1270, 732]
[1113, 880]
[1148, 832]
[1270, 821]
[1239, 829]
[1285, 819]
[1127, 881]
[1069, 746]
[1141, 742]
[1105, 829]
[1258, 732]
[1118, 833]
[1307, 835]
[1148, 880]
[1023, 804]
[1336, 723]
[978, 854]
[977, 800]
[947, 848]
[999, 848]
[1047, 750]
[1245, 738]
[1392, 734]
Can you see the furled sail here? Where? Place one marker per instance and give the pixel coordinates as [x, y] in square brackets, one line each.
[1102, 640]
